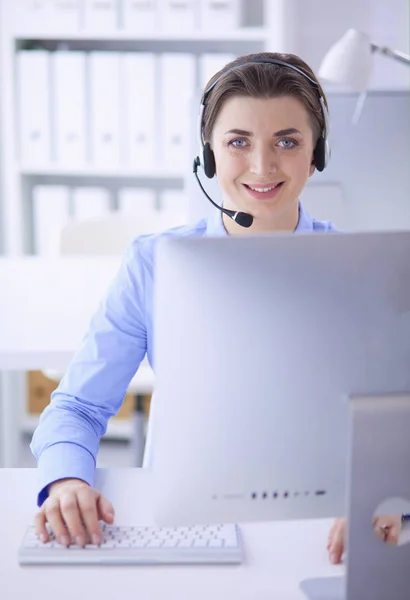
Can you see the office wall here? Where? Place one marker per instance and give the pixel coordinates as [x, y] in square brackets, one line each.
[370, 161]
[314, 25]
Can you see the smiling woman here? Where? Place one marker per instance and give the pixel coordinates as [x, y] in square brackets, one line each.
[263, 130]
[264, 125]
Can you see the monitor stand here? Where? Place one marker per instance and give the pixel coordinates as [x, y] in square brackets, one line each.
[379, 469]
[324, 588]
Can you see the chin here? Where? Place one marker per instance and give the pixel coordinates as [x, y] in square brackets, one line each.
[264, 213]
[260, 210]
[270, 210]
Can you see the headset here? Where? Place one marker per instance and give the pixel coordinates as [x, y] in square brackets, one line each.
[321, 153]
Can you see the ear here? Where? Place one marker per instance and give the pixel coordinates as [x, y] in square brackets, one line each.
[312, 168]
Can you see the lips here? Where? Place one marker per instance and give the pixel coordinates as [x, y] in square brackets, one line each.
[264, 192]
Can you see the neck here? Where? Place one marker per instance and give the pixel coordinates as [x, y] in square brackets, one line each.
[286, 221]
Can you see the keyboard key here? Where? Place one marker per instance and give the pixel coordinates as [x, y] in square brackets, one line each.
[170, 543]
[154, 544]
[185, 543]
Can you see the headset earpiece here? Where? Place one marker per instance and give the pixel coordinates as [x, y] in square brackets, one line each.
[209, 161]
[319, 154]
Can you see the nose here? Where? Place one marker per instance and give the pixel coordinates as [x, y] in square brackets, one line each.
[263, 161]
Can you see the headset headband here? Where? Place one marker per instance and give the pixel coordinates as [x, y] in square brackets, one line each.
[272, 61]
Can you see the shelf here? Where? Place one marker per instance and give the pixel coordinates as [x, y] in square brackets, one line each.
[117, 429]
[98, 172]
[251, 34]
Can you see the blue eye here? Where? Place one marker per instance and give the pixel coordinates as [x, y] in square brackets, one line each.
[237, 143]
[291, 143]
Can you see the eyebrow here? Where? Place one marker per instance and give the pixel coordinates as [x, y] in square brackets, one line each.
[281, 132]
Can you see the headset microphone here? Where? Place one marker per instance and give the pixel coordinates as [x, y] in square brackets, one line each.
[242, 218]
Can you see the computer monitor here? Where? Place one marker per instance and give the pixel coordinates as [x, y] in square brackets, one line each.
[259, 343]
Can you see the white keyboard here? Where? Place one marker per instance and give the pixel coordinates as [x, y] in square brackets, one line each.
[140, 545]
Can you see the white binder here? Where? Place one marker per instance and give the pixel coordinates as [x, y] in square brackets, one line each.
[39, 16]
[101, 15]
[219, 15]
[65, 16]
[178, 16]
[177, 87]
[137, 201]
[69, 106]
[139, 97]
[30, 16]
[90, 203]
[33, 93]
[139, 16]
[104, 109]
[210, 63]
[50, 204]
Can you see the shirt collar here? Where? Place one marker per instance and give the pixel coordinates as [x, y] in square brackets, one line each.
[305, 222]
[215, 226]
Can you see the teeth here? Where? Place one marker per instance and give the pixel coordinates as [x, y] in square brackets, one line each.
[267, 189]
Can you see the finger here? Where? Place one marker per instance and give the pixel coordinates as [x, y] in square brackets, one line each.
[105, 509]
[337, 544]
[332, 533]
[388, 528]
[381, 530]
[87, 502]
[55, 518]
[387, 534]
[393, 534]
[71, 514]
[40, 526]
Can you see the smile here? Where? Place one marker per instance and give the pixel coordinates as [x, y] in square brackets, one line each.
[265, 189]
[264, 192]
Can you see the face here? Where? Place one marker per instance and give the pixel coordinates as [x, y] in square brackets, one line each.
[263, 152]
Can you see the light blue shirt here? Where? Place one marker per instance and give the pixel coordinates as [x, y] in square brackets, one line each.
[92, 390]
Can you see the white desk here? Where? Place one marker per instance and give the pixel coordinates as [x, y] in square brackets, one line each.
[45, 308]
[278, 555]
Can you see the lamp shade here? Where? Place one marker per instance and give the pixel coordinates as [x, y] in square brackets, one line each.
[349, 61]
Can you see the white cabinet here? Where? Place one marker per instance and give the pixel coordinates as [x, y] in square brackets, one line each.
[67, 120]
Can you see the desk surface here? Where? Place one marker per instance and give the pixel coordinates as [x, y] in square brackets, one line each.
[278, 555]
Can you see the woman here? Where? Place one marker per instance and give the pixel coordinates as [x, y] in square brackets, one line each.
[263, 129]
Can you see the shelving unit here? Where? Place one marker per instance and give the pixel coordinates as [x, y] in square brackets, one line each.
[18, 177]
[96, 172]
[245, 34]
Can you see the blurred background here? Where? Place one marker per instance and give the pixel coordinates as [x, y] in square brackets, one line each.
[99, 104]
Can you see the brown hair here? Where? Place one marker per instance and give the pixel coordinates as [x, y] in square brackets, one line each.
[264, 80]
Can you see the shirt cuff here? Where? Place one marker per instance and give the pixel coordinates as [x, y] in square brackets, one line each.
[63, 460]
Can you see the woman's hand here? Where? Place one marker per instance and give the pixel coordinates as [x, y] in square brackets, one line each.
[386, 527]
[73, 510]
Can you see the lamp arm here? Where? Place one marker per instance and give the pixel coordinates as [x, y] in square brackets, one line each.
[396, 54]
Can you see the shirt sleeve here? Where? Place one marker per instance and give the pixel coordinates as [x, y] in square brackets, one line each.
[92, 390]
